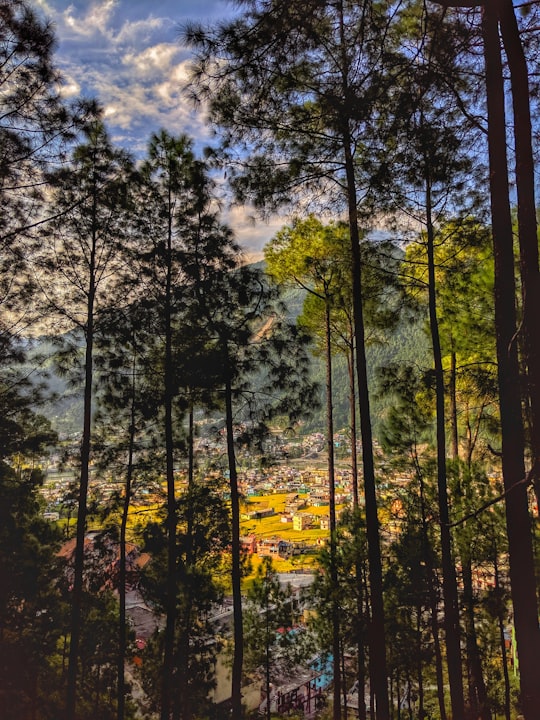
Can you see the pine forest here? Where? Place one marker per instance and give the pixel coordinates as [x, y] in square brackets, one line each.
[305, 486]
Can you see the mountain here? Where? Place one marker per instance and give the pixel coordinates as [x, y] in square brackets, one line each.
[405, 344]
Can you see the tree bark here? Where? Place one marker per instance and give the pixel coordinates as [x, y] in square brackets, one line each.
[518, 524]
[332, 509]
[122, 576]
[82, 511]
[170, 610]
[478, 699]
[377, 639]
[238, 657]
[450, 593]
[352, 421]
[526, 213]
[432, 594]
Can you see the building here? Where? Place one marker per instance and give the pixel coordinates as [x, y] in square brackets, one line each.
[301, 521]
[272, 547]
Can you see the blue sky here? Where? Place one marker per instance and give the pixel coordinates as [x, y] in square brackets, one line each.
[128, 55]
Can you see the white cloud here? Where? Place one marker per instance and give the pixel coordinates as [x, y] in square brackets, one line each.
[140, 31]
[153, 61]
[43, 5]
[95, 21]
[252, 232]
[70, 88]
[125, 54]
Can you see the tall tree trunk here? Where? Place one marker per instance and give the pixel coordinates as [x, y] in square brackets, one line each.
[477, 694]
[344, 681]
[453, 403]
[238, 657]
[518, 524]
[352, 422]
[377, 639]
[191, 447]
[502, 640]
[184, 707]
[122, 639]
[478, 699]
[432, 594]
[450, 594]
[360, 625]
[77, 593]
[332, 509]
[170, 621]
[527, 225]
[360, 633]
[419, 664]
[267, 651]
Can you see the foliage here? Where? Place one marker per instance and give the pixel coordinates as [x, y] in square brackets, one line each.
[32, 613]
[203, 531]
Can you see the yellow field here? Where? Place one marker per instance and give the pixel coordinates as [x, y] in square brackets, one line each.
[271, 526]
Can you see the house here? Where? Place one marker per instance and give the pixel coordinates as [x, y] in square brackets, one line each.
[248, 544]
[261, 513]
[325, 522]
[272, 547]
[301, 521]
[102, 560]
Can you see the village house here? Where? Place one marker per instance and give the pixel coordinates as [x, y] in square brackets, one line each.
[301, 521]
[248, 544]
[325, 522]
[260, 514]
[102, 558]
[272, 547]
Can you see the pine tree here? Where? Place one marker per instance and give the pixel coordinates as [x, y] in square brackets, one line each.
[267, 613]
[81, 257]
[250, 338]
[298, 87]
[314, 257]
[35, 124]
[31, 608]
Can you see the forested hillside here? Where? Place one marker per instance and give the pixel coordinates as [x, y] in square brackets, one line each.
[406, 344]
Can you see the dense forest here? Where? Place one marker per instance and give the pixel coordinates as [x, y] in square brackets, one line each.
[394, 314]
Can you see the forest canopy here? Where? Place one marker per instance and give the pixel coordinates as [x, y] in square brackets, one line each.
[376, 379]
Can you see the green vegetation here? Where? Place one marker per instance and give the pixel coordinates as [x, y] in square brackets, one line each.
[195, 375]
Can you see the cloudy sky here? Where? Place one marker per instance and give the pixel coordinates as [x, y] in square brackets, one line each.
[127, 54]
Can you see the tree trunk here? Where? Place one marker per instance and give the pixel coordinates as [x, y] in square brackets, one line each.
[267, 651]
[518, 524]
[433, 599]
[332, 509]
[191, 446]
[377, 639]
[502, 640]
[344, 681]
[77, 593]
[170, 622]
[419, 664]
[526, 212]
[450, 594]
[453, 404]
[238, 657]
[122, 640]
[183, 653]
[352, 421]
[478, 699]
